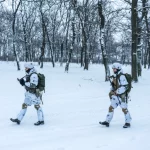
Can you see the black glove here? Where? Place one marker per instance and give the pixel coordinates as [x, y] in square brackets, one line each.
[112, 84]
[22, 82]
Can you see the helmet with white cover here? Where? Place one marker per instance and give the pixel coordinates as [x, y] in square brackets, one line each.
[116, 66]
[29, 65]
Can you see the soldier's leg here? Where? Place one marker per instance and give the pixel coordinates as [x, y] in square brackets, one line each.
[110, 114]
[126, 112]
[114, 104]
[22, 112]
[39, 112]
[27, 102]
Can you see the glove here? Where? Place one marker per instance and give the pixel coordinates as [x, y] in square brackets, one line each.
[112, 84]
[22, 82]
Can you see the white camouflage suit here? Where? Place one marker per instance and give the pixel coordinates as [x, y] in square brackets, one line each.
[31, 98]
[119, 98]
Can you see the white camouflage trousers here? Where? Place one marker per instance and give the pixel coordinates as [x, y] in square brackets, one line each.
[31, 99]
[115, 102]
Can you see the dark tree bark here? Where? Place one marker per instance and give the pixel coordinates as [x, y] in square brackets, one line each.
[61, 53]
[139, 38]
[102, 32]
[139, 45]
[25, 36]
[50, 47]
[13, 31]
[134, 41]
[145, 4]
[82, 52]
[73, 37]
[43, 37]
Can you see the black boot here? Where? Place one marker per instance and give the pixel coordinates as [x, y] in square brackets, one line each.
[126, 125]
[105, 123]
[39, 123]
[15, 120]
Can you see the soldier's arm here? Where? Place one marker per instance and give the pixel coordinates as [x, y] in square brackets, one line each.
[123, 85]
[111, 83]
[33, 81]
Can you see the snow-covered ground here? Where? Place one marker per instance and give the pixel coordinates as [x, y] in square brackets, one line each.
[74, 103]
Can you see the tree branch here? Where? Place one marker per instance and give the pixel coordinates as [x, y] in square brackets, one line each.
[128, 1]
[2, 1]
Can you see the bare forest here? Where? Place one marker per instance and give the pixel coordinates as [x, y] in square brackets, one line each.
[76, 31]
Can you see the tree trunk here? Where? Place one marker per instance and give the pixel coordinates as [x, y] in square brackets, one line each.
[82, 51]
[42, 47]
[102, 32]
[25, 41]
[72, 44]
[50, 47]
[139, 46]
[43, 39]
[53, 40]
[145, 3]
[61, 54]
[14, 33]
[134, 41]
[86, 55]
[69, 58]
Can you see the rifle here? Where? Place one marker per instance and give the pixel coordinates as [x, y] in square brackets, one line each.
[112, 83]
[20, 78]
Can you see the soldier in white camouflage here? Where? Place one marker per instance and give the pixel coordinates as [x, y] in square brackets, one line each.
[30, 82]
[118, 96]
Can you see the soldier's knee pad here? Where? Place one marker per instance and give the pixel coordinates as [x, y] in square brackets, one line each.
[111, 109]
[125, 110]
[36, 107]
[24, 106]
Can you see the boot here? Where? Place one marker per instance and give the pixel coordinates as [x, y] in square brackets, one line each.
[39, 123]
[126, 125]
[105, 123]
[15, 120]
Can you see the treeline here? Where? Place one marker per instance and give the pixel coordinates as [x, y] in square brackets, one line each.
[80, 31]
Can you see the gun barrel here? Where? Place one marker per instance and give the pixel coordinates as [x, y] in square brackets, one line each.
[20, 78]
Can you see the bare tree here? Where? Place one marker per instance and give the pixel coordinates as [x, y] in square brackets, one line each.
[102, 31]
[73, 5]
[13, 30]
[145, 13]
[50, 46]
[134, 41]
[43, 34]
[139, 37]
[24, 24]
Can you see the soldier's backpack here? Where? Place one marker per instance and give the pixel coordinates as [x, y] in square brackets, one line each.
[129, 80]
[41, 82]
